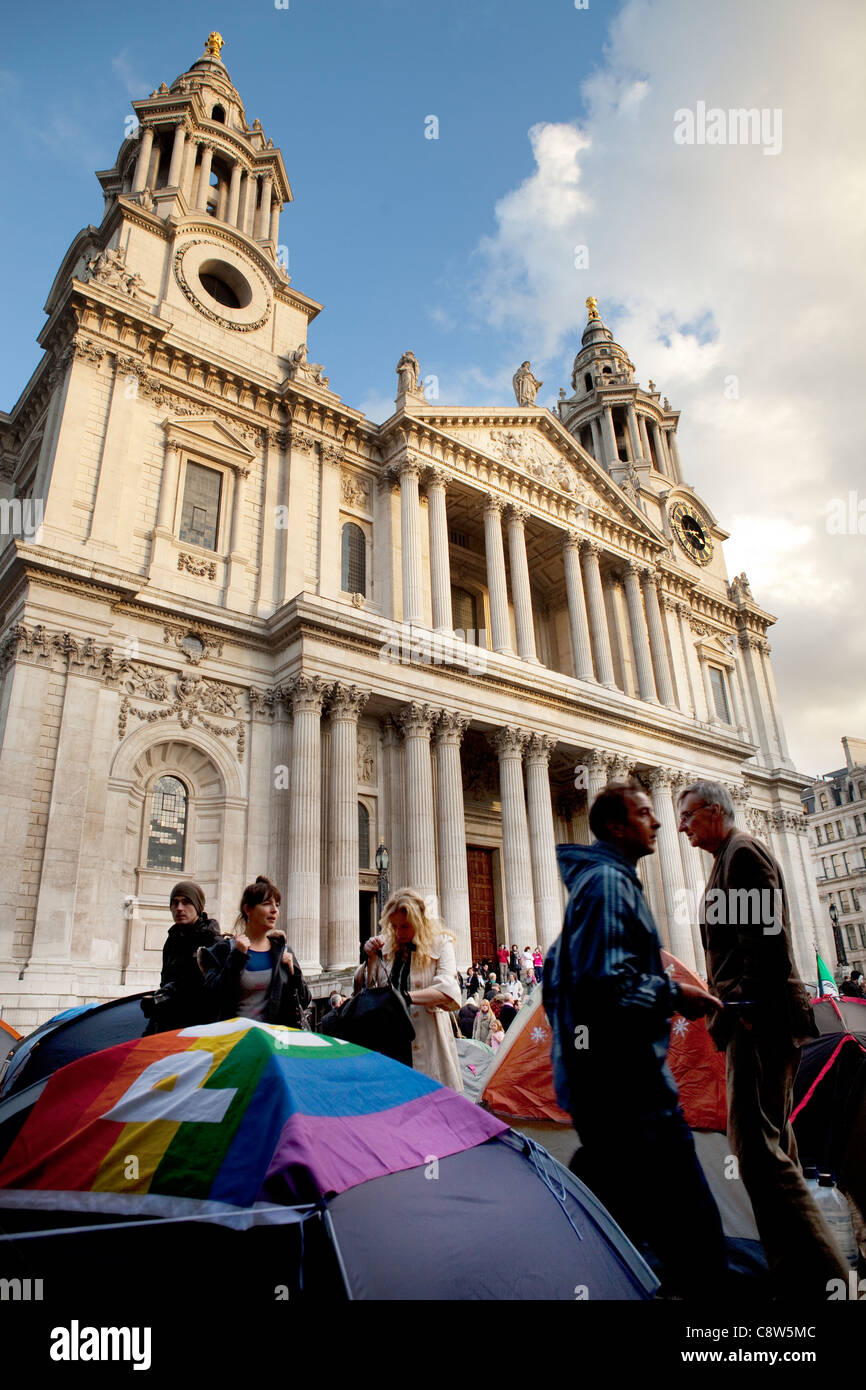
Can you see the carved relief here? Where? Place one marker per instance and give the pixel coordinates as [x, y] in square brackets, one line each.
[202, 569]
[355, 491]
[192, 641]
[109, 268]
[366, 757]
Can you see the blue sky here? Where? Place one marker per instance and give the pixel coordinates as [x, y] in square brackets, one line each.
[731, 274]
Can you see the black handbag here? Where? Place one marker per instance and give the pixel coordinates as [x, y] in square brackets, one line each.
[377, 1017]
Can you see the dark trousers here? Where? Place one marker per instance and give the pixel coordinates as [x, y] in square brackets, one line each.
[648, 1176]
[800, 1250]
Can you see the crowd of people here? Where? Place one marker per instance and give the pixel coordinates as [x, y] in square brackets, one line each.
[609, 1002]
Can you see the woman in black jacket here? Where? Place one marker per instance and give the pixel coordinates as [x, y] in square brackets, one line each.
[253, 975]
[182, 999]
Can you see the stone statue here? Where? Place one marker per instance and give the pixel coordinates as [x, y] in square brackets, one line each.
[739, 587]
[300, 368]
[409, 374]
[526, 387]
[652, 385]
[109, 268]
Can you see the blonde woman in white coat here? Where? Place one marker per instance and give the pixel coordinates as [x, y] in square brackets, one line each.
[419, 956]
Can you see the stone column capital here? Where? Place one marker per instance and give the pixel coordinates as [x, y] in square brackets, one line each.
[593, 548]
[620, 767]
[509, 742]
[494, 504]
[346, 701]
[307, 694]
[416, 720]
[450, 726]
[539, 748]
[661, 779]
[517, 513]
[573, 539]
[332, 454]
[598, 761]
[408, 467]
[437, 477]
[303, 439]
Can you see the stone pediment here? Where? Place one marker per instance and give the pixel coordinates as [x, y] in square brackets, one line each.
[524, 448]
[208, 432]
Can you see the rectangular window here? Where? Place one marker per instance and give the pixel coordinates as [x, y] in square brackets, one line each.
[817, 834]
[829, 831]
[858, 825]
[199, 518]
[720, 695]
[844, 900]
[862, 933]
[855, 898]
[852, 944]
[840, 830]
[824, 867]
[834, 859]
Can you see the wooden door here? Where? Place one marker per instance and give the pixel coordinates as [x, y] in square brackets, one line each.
[482, 914]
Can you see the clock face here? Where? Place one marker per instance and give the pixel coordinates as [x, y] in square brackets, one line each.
[692, 533]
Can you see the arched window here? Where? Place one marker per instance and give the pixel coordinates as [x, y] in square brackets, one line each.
[363, 836]
[354, 560]
[166, 839]
[464, 610]
[587, 381]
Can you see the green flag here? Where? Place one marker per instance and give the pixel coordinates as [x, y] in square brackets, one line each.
[826, 983]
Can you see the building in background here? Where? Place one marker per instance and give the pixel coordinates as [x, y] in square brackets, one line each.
[245, 629]
[835, 807]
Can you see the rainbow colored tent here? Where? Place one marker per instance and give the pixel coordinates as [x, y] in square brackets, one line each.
[340, 1171]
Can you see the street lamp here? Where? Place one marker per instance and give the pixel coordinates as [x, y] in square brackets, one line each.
[383, 859]
[841, 958]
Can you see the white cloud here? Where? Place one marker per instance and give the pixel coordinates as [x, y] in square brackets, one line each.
[734, 281]
[134, 84]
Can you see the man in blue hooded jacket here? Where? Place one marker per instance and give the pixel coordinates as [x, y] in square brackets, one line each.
[609, 1002]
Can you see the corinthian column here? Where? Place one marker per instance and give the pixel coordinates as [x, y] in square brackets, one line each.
[264, 227]
[204, 176]
[177, 149]
[408, 473]
[143, 162]
[520, 587]
[542, 846]
[346, 703]
[440, 563]
[657, 640]
[416, 722]
[577, 621]
[640, 641]
[597, 615]
[515, 835]
[303, 893]
[773, 699]
[597, 764]
[496, 582]
[661, 781]
[453, 875]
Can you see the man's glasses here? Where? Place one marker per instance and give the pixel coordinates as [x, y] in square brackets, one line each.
[687, 815]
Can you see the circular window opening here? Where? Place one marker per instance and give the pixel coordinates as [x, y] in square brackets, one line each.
[225, 284]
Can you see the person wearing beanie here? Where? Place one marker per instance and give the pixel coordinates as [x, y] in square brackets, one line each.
[182, 999]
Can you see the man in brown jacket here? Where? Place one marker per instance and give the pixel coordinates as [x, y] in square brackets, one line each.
[746, 934]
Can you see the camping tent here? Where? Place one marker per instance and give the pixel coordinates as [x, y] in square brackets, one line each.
[241, 1125]
[72, 1034]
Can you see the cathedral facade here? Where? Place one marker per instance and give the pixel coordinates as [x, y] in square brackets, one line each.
[246, 630]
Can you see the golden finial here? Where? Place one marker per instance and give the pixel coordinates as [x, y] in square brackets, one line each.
[592, 306]
[214, 44]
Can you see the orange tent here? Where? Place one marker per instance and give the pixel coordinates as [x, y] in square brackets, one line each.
[13, 1032]
[519, 1085]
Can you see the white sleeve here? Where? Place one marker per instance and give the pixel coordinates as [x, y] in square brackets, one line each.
[446, 971]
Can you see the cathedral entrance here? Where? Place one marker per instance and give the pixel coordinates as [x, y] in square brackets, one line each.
[482, 911]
